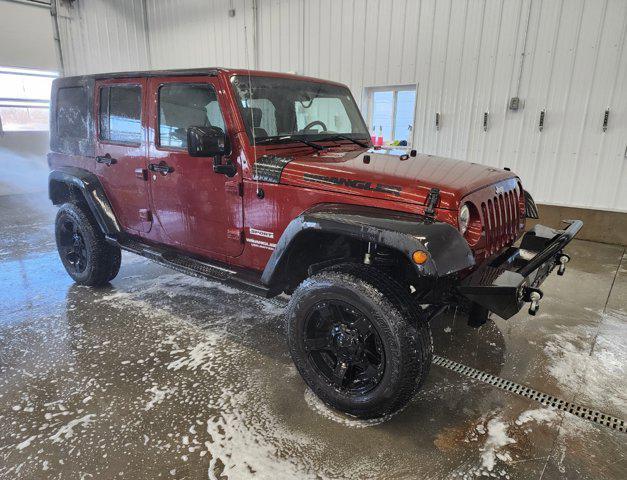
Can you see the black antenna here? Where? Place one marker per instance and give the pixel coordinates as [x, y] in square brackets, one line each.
[250, 96]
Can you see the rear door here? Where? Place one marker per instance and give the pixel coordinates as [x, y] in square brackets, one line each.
[199, 210]
[121, 150]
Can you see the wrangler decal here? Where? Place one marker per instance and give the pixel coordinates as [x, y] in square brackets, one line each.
[261, 244]
[361, 184]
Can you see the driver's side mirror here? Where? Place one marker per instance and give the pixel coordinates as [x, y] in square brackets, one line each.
[206, 142]
[210, 142]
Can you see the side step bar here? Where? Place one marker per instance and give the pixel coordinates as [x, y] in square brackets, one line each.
[208, 270]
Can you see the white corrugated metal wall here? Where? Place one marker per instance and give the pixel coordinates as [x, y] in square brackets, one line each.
[102, 35]
[467, 57]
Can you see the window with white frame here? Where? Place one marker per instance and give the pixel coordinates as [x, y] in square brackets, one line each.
[391, 113]
[24, 99]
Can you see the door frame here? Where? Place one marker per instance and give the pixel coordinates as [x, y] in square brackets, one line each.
[142, 149]
[157, 153]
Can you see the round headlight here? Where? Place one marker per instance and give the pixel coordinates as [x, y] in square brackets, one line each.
[464, 218]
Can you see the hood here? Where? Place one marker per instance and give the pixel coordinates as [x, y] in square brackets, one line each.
[391, 177]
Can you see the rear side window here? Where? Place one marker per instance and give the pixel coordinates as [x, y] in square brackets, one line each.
[186, 105]
[72, 113]
[120, 114]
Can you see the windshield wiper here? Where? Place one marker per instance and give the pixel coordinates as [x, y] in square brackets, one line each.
[290, 138]
[344, 137]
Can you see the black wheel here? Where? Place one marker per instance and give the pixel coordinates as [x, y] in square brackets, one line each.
[84, 252]
[359, 340]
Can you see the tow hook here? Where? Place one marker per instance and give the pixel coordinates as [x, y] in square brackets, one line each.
[562, 260]
[533, 295]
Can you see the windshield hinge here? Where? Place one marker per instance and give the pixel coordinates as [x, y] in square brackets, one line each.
[432, 200]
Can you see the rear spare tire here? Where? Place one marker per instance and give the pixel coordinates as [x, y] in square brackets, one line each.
[359, 340]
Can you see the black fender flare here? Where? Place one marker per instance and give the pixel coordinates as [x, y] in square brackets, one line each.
[531, 209]
[60, 182]
[448, 252]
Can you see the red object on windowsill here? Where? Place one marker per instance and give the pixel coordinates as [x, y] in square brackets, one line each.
[380, 137]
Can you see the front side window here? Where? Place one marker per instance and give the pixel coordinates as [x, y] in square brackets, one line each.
[186, 105]
[277, 108]
[120, 114]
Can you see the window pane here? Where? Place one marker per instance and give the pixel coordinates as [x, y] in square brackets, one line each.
[120, 114]
[329, 111]
[382, 114]
[262, 113]
[72, 112]
[25, 99]
[24, 86]
[404, 122]
[283, 106]
[15, 119]
[184, 106]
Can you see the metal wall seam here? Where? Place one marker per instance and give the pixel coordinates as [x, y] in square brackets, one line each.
[464, 56]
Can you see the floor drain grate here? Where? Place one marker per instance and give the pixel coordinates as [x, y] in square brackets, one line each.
[543, 398]
[515, 388]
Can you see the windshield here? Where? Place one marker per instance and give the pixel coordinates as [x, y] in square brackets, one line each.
[279, 109]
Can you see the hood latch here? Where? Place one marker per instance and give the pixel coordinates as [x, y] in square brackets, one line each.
[432, 200]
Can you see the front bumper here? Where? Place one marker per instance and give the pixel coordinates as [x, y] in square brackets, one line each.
[504, 284]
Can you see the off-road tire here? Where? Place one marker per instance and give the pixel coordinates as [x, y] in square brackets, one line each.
[397, 318]
[102, 259]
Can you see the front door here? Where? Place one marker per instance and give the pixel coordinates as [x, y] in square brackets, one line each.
[197, 209]
[121, 150]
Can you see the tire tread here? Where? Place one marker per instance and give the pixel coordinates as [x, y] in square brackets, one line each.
[105, 259]
[409, 327]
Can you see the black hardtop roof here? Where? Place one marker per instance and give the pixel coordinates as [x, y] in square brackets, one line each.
[213, 71]
[140, 73]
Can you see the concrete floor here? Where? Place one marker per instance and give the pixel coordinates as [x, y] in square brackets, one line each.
[164, 376]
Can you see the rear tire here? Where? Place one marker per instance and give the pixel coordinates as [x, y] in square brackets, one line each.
[359, 340]
[87, 257]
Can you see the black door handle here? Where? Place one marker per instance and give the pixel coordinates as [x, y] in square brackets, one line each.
[106, 159]
[160, 167]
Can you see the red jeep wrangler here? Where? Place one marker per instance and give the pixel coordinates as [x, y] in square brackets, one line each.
[270, 182]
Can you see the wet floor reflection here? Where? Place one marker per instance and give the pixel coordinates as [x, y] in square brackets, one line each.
[163, 375]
